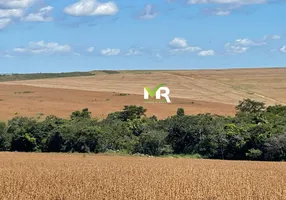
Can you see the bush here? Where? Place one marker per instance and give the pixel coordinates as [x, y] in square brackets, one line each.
[132, 112]
[180, 112]
[254, 154]
[275, 148]
[4, 139]
[153, 143]
[24, 143]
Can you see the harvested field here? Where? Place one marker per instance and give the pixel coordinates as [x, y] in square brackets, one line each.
[198, 91]
[18, 100]
[32, 176]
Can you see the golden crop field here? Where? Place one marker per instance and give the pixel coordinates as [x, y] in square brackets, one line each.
[25, 176]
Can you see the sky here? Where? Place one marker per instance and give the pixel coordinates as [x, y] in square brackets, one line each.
[84, 35]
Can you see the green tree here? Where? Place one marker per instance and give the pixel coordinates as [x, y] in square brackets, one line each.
[45, 131]
[250, 106]
[24, 143]
[22, 132]
[254, 154]
[180, 112]
[132, 112]
[118, 135]
[235, 137]
[277, 110]
[84, 114]
[153, 143]
[194, 134]
[4, 139]
[275, 148]
[54, 142]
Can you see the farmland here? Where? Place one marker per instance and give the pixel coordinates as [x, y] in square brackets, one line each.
[77, 176]
[255, 133]
[197, 91]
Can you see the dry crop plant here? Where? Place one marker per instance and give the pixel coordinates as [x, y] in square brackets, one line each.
[25, 176]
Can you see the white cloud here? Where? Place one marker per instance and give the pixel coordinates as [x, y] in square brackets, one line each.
[42, 47]
[242, 45]
[158, 56]
[148, 12]
[248, 42]
[41, 16]
[110, 52]
[276, 37]
[20, 50]
[271, 37]
[91, 8]
[7, 56]
[232, 49]
[181, 45]
[187, 49]
[206, 53]
[283, 49]
[226, 6]
[134, 52]
[178, 43]
[90, 49]
[11, 13]
[273, 50]
[16, 3]
[11, 10]
[4, 23]
[222, 12]
[241, 2]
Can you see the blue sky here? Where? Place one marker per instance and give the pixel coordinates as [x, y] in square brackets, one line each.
[82, 35]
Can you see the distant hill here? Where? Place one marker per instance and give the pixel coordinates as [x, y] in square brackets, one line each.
[18, 77]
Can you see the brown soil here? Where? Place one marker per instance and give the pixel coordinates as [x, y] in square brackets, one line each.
[198, 91]
[21, 100]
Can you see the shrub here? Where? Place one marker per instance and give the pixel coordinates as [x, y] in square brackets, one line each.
[180, 112]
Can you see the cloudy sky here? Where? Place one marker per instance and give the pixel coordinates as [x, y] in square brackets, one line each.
[81, 35]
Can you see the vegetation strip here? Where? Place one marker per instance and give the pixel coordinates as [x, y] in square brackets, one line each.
[18, 77]
[255, 133]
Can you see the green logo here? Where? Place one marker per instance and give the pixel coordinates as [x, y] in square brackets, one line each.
[156, 92]
[152, 93]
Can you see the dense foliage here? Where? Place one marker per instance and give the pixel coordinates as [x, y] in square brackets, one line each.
[255, 133]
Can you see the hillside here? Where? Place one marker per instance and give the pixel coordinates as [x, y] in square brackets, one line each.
[214, 91]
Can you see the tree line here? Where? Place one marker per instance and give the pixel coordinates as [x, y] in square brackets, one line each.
[256, 132]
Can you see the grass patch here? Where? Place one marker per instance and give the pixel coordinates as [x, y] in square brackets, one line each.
[39, 115]
[193, 156]
[24, 92]
[110, 72]
[142, 71]
[125, 153]
[122, 94]
[18, 77]
[27, 92]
